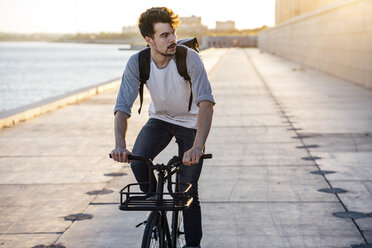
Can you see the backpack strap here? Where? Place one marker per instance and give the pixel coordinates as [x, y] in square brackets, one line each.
[144, 71]
[181, 52]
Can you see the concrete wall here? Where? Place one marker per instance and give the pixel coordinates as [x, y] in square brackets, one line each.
[336, 39]
[288, 9]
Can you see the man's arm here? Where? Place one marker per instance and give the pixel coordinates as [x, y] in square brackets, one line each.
[127, 95]
[120, 152]
[203, 127]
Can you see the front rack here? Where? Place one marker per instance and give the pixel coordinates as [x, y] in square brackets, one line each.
[135, 200]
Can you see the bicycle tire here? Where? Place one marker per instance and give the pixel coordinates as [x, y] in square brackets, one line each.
[151, 235]
[178, 232]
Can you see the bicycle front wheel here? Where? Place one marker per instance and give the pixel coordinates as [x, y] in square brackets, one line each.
[178, 233]
[151, 235]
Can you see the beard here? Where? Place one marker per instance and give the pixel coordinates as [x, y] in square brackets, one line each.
[168, 54]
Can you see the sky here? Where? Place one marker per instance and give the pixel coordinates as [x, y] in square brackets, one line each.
[94, 16]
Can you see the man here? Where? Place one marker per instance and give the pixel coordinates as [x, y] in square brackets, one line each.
[169, 114]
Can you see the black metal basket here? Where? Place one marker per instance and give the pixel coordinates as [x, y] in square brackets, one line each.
[132, 199]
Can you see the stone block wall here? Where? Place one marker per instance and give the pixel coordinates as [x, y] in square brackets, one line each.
[336, 39]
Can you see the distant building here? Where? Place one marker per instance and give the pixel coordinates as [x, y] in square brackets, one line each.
[191, 20]
[225, 26]
[130, 29]
[192, 23]
[228, 41]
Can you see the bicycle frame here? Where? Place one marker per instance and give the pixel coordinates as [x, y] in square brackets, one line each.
[164, 232]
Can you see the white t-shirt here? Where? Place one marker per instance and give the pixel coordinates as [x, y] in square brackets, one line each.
[169, 91]
[170, 95]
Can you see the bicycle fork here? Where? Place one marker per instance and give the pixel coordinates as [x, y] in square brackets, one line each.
[164, 232]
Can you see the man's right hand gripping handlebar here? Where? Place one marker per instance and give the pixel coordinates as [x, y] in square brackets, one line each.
[120, 155]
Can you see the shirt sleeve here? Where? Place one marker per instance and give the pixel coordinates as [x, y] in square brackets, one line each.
[128, 91]
[201, 87]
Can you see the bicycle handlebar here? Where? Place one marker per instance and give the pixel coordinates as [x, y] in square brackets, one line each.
[174, 162]
[134, 157]
[148, 161]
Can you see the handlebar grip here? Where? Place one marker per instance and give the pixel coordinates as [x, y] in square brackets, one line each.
[133, 157]
[207, 156]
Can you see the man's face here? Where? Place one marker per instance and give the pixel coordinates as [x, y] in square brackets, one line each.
[164, 40]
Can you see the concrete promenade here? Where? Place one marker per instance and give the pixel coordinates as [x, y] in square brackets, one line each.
[292, 164]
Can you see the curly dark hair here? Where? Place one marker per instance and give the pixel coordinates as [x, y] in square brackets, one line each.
[154, 15]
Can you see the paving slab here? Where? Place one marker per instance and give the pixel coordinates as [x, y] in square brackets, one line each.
[368, 235]
[352, 166]
[358, 195]
[286, 151]
[334, 126]
[339, 142]
[237, 109]
[248, 120]
[28, 240]
[262, 184]
[116, 184]
[262, 135]
[276, 225]
[110, 227]
[55, 170]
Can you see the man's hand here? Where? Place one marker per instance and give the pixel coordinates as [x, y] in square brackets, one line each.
[120, 155]
[192, 156]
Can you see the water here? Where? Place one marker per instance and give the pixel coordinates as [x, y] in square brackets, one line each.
[33, 71]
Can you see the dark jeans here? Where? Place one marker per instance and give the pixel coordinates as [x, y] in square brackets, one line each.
[152, 139]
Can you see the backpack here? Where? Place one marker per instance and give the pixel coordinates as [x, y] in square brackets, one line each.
[144, 60]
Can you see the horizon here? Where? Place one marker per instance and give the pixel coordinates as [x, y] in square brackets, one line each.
[51, 33]
[83, 16]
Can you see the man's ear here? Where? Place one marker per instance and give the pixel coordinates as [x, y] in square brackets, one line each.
[148, 40]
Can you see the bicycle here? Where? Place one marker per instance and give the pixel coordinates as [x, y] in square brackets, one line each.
[157, 233]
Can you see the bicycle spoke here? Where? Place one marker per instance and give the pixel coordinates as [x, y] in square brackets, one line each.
[154, 243]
